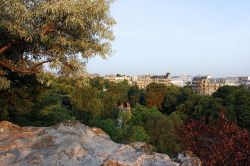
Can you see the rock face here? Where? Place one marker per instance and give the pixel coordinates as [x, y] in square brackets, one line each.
[72, 143]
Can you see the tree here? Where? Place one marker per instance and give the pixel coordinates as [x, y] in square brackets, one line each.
[51, 115]
[237, 102]
[119, 91]
[154, 95]
[138, 134]
[63, 33]
[171, 99]
[110, 127]
[162, 130]
[97, 82]
[125, 117]
[134, 95]
[85, 100]
[198, 106]
[16, 103]
[218, 143]
[224, 91]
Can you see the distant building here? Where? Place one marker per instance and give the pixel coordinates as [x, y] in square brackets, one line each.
[143, 81]
[118, 78]
[245, 81]
[162, 79]
[246, 78]
[181, 81]
[205, 85]
[200, 84]
[177, 82]
[231, 81]
[94, 75]
[111, 78]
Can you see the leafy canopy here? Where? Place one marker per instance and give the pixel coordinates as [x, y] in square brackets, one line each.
[63, 33]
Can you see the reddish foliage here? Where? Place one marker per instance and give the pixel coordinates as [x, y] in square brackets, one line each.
[154, 95]
[217, 143]
[154, 99]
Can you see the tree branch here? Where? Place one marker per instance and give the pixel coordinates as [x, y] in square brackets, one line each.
[41, 63]
[7, 46]
[17, 69]
[49, 28]
[24, 70]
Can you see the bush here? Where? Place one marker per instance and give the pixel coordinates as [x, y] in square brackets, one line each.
[54, 114]
[138, 134]
[218, 143]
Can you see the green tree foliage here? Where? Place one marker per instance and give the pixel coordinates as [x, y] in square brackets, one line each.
[98, 83]
[119, 91]
[51, 115]
[110, 127]
[198, 106]
[224, 91]
[63, 33]
[30, 102]
[237, 101]
[85, 102]
[125, 117]
[110, 106]
[138, 134]
[134, 95]
[160, 129]
[17, 103]
[171, 99]
[174, 96]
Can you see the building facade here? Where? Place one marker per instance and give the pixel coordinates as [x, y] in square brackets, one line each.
[142, 81]
[205, 85]
[118, 78]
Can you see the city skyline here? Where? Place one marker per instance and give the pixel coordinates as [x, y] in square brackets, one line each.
[162, 74]
[185, 78]
[180, 37]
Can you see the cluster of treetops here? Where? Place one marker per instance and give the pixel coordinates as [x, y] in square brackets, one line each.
[171, 119]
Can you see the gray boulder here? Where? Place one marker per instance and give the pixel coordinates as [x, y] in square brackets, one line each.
[71, 143]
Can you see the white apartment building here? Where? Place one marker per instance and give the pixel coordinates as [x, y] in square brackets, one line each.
[177, 82]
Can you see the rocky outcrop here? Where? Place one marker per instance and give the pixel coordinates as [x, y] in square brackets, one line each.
[72, 143]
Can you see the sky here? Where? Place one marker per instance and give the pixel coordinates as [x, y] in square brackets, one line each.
[194, 37]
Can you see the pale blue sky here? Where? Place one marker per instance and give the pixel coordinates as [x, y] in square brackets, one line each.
[180, 36]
